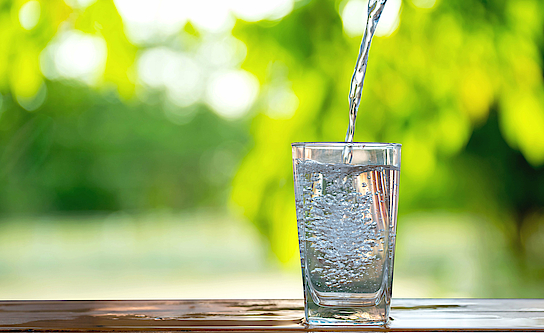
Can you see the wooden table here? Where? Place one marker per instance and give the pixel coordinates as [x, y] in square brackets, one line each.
[409, 315]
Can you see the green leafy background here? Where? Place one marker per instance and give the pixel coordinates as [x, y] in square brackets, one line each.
[460, 85]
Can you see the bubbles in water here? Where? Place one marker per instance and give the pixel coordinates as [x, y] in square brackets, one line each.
[342, 224]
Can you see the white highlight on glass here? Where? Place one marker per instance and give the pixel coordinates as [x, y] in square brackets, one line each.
[354, 16]
[231, 93]
[29, 14]
[74, 55]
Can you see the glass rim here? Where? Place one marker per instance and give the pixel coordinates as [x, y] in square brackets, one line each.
[360, 145]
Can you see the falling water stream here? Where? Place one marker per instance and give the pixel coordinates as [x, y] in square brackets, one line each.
[375, 9]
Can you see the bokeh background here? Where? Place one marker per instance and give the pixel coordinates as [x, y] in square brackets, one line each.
[145, 145]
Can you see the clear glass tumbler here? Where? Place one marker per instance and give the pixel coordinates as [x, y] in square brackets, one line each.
[346, 217]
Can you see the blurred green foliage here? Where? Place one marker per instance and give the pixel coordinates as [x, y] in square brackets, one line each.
[98, 149]
[460, 85]
[85, 151]
[430, 86]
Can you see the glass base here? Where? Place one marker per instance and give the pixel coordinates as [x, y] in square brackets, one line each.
[374, 315]
[320, 322]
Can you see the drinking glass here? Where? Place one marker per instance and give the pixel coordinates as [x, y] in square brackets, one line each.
[346, 218]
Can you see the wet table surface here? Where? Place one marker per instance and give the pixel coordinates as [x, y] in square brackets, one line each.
[408, 315]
